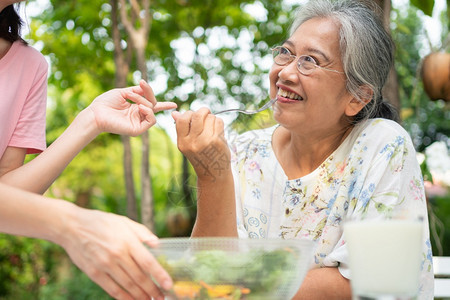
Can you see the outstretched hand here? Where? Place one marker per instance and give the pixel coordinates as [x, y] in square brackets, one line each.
[114, 114]
[110, 249]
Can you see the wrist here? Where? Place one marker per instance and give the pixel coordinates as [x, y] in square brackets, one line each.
[213, 172]
[217, 180]
[66, 219]
[216, 207]
[86, 125]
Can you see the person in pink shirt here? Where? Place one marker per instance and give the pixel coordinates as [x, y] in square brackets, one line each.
[108, 248]
[23, 83]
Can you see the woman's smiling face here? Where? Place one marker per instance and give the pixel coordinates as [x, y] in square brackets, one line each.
[318, 100]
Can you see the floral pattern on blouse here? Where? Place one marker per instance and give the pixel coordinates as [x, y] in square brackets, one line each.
[373, 174]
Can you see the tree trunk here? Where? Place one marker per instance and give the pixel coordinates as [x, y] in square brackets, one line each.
[122, 68]
[188, 197]
[390, 90]
[146, 182]
[136, 19]
[83, 198]
[132, 211]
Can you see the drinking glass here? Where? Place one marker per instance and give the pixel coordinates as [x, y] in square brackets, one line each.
[384, 257]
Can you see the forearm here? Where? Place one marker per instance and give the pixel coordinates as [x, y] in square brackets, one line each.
[216, 208]
[27, 214]
[37, 175]
[324, 283]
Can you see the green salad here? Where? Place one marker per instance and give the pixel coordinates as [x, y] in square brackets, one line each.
[217, 274]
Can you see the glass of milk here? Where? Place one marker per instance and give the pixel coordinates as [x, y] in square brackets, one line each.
[385, 258]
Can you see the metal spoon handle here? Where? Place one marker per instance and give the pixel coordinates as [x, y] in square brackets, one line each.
[249, 112]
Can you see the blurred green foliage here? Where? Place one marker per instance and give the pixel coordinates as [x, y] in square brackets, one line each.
[426, 121]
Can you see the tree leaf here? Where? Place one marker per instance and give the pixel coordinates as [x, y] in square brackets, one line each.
[424, 5]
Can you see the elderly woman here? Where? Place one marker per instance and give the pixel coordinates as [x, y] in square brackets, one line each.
[334, 155]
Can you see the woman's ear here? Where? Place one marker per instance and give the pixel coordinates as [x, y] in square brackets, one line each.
[355, 105]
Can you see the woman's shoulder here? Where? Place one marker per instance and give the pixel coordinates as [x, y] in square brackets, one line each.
[382, 130]
[29, 56]
[379, 136]
[385, 124]
[253, 144]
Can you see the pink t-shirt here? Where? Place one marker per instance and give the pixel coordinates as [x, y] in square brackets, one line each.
[23, 90]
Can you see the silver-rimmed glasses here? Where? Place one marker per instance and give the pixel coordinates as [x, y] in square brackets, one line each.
[305, 63]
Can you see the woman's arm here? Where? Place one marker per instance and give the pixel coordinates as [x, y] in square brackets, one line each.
[108, 248]
[200, 137]
[109, 112]
[324, 283]
[12, 158]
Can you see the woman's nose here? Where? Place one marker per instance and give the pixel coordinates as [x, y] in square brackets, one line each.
[289, 72]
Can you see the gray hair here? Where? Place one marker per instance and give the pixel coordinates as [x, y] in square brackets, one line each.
[367, 49]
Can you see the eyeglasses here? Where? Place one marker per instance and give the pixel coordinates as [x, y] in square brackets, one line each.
[305, 63]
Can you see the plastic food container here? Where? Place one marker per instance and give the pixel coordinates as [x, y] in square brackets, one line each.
[233, 268]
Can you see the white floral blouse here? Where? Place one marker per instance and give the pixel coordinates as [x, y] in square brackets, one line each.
[372, 174]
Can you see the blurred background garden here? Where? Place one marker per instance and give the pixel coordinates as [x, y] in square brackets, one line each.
[196, 53]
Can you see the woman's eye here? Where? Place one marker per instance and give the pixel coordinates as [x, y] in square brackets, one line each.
[309, 59]
[284, 51]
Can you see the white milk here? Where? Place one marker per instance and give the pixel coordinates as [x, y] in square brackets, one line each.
[385, 256]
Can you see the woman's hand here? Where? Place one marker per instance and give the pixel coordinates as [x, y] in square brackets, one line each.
[110, 250]
[109, 112]
[200, 137]
[113, 113]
